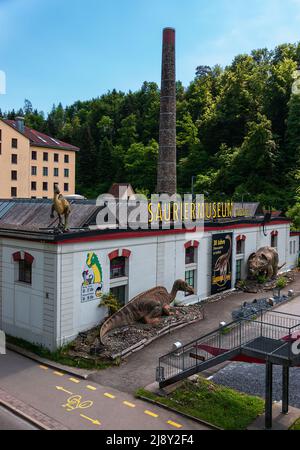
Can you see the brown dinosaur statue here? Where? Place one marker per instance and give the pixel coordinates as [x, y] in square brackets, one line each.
[149, 307]
[62, 207]
[264, 262]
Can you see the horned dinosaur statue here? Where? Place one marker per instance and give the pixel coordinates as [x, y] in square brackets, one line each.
[264, 262]
[62, 208]
[149, 306]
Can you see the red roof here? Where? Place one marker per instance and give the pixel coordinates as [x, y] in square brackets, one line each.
[39, 139]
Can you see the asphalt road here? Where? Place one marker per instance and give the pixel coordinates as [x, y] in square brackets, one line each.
[9, 421]
[80, 404]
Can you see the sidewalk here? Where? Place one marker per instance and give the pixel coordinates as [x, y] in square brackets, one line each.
[280, 421]
[139, 369]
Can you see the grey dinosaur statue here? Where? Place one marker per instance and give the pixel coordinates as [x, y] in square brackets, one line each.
[264, 262]
[149, 307]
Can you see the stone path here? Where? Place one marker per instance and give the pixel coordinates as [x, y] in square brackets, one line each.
[139, 369]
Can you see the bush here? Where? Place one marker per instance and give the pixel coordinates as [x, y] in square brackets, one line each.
[111, 302]
[261, 279]
[281, 283]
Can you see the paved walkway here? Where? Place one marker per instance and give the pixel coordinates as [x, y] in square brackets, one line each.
[139, 369]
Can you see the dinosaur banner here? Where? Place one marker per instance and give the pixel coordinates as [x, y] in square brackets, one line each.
[221, 263]
[91, 288]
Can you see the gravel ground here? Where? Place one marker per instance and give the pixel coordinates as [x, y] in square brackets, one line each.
[250, 378]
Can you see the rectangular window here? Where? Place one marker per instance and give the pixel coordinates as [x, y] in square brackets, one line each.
[274, 241]
[25, 272]
[33, 185]
[14, 143]
[238, 270]
[45, 186]
[14, 159]
[45, 171]
[0, 148]
[45, 156]
[33, 170]
[66, 173]
[33, 155]
[240, 247]
[190, 279]
[14, 175]
[13, 192]
[55, 171]
[56, 157]
[118, 268]
[66, 187]
[66, 159]
[0, 135]
[190, 255]
[120, 293]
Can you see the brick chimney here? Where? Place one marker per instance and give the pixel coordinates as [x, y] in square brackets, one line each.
[20, 124]
[166, 173]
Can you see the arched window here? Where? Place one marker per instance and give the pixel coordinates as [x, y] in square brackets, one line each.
[240, 245]
[118, 267]
[274, 239]
[24, 261]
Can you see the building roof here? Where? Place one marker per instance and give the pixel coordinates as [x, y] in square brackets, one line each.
[125, 188]
[30, 219]
[39, 139]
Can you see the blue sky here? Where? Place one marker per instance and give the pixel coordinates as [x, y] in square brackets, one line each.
[65, 50]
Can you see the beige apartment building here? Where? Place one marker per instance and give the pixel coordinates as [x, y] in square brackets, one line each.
[32, 162]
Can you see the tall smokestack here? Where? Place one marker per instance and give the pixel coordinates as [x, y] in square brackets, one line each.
[166, 174]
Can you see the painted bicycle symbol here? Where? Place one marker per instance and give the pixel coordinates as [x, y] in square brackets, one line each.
[74, 402]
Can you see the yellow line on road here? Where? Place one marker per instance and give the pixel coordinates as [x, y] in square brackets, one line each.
[91, 388]
[109, 395]
[150, 413]
[174, 424]
[43, 367]
[130, 405]
[95, 422]
[74, 380]
[59, 374]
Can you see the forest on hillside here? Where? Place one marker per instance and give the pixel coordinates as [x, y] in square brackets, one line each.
[238, 133]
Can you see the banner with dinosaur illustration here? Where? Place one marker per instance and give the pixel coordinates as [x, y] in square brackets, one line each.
[92, 284]
[221, 263]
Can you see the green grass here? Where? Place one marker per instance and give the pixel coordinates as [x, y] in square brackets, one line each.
[60, 356]
[296, 426]
[218, 405]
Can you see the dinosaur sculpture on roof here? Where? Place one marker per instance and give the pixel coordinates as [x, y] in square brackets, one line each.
[62, 208]
[149, 307]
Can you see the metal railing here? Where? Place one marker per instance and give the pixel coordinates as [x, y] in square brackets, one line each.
[271, 332]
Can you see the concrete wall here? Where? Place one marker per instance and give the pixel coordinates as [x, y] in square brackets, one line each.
[25, 163]
[22, 167]
[51, 312]
[28, 310]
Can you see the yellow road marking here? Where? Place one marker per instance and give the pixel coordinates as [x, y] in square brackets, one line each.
[174, 424]
[60, 388]
[43, 367]
[95, 422]
[74, 380]
[91, 388]
[109, 395]
[150, 413]
[130, 405]
[59, 374]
